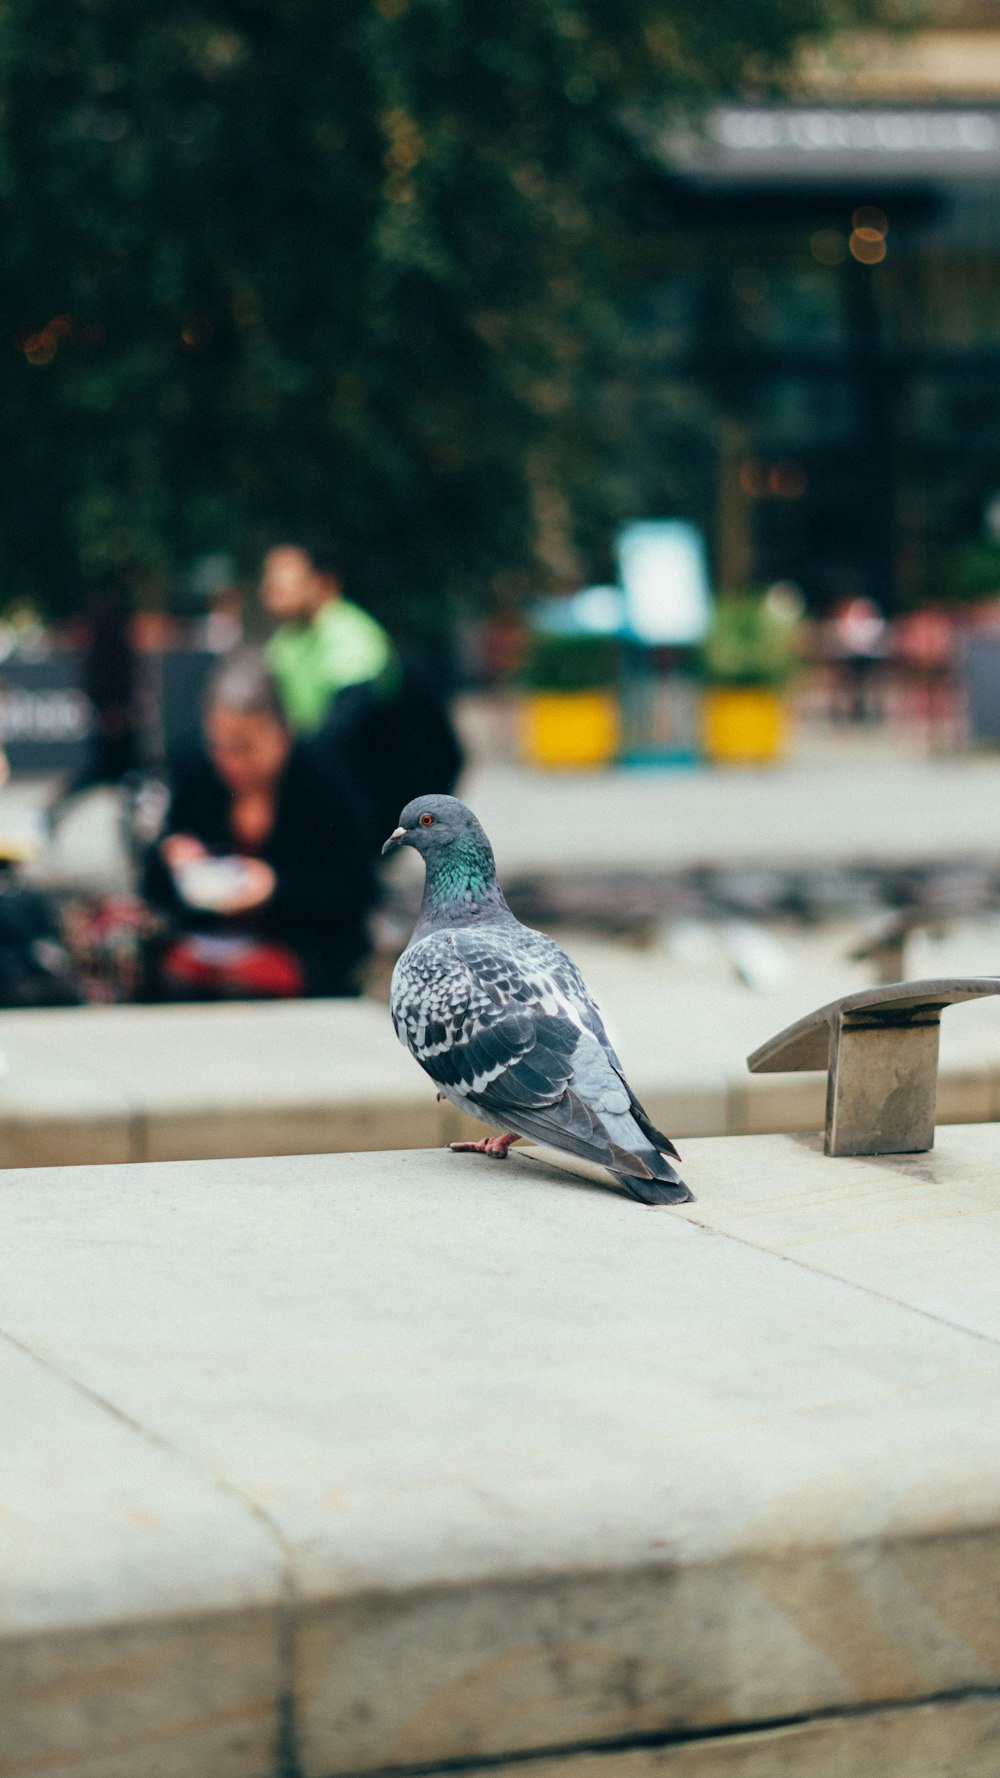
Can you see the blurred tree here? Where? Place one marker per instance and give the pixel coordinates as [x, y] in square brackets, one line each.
[369, 268]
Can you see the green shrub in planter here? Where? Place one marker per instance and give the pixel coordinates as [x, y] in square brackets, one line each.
[570, 663]
[752, 642]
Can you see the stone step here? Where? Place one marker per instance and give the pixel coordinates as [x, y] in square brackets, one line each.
[119, 1083]
[338, 1464]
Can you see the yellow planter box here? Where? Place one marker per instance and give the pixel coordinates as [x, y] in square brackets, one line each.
[744, 724]
[570, 728]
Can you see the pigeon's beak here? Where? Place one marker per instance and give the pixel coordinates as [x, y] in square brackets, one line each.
[394, 841]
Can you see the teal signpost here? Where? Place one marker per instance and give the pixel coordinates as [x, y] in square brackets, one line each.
[667, 611]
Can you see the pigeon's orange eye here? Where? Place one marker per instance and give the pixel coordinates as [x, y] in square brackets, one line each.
[427, 821]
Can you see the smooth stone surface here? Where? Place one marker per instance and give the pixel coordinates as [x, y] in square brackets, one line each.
[465, 1459]
[922, 1229]
[927, 1741]
[150, 1083]
[141, 1603]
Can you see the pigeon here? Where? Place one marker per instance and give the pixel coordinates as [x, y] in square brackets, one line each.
[500, 1018]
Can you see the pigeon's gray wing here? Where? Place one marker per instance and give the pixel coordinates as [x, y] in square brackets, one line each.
[490, 1013]
[571, 983]
[474, 1017]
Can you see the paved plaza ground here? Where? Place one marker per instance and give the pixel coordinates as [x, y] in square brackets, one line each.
[843, 796]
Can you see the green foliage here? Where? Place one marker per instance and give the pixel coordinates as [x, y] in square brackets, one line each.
[974, 574]
[368, 267]
[570, 663]
[750, 643]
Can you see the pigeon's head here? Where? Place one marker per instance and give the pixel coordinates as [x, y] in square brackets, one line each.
[431, 822]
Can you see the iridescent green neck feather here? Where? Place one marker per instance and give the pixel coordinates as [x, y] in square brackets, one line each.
[461, 884]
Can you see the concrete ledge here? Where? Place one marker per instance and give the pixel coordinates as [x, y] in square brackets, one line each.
[116, 1083]
[96, 1084]
[948, 1740]
[396, 1460]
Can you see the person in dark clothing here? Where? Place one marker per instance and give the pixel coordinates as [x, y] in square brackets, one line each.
[393, 746]
[282, 907]
[35, 969]
[108, 677]
[109, 681]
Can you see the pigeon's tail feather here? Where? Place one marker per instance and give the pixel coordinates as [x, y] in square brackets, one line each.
[664, 1185]
[661, 1143]
[640, 1163]
[643, 1170]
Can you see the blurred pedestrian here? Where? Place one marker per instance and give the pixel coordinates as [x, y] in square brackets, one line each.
[324, 642]
[108, 677]
[342, 681]
[267, 863]
[859, 643]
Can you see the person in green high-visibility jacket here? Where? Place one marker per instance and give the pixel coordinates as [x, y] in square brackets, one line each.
[324, 642]
[345, 689]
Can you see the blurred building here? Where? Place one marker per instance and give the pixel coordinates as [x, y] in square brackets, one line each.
[836, 290]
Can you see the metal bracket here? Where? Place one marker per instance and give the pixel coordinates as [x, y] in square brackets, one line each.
[880, 1050]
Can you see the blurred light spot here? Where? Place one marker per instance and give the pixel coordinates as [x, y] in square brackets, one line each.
[749, 284]
[222, 49]
[991, 518]
[110, 126]
[753, 478]
[197, 334]
[867, 246]
[867, 216]
[402, 157]
[787, 480]
[403, 153]
[784, 601]
[828, 247]
[41, 347]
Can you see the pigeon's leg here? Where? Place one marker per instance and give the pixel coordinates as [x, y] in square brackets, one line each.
[496, 1146]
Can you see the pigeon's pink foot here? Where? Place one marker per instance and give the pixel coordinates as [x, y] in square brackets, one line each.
[496, 1146]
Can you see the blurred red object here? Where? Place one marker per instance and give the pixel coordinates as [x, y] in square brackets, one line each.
[232, 969]
[925, 639]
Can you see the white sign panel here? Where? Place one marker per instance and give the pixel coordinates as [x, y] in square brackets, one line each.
[665, 577]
